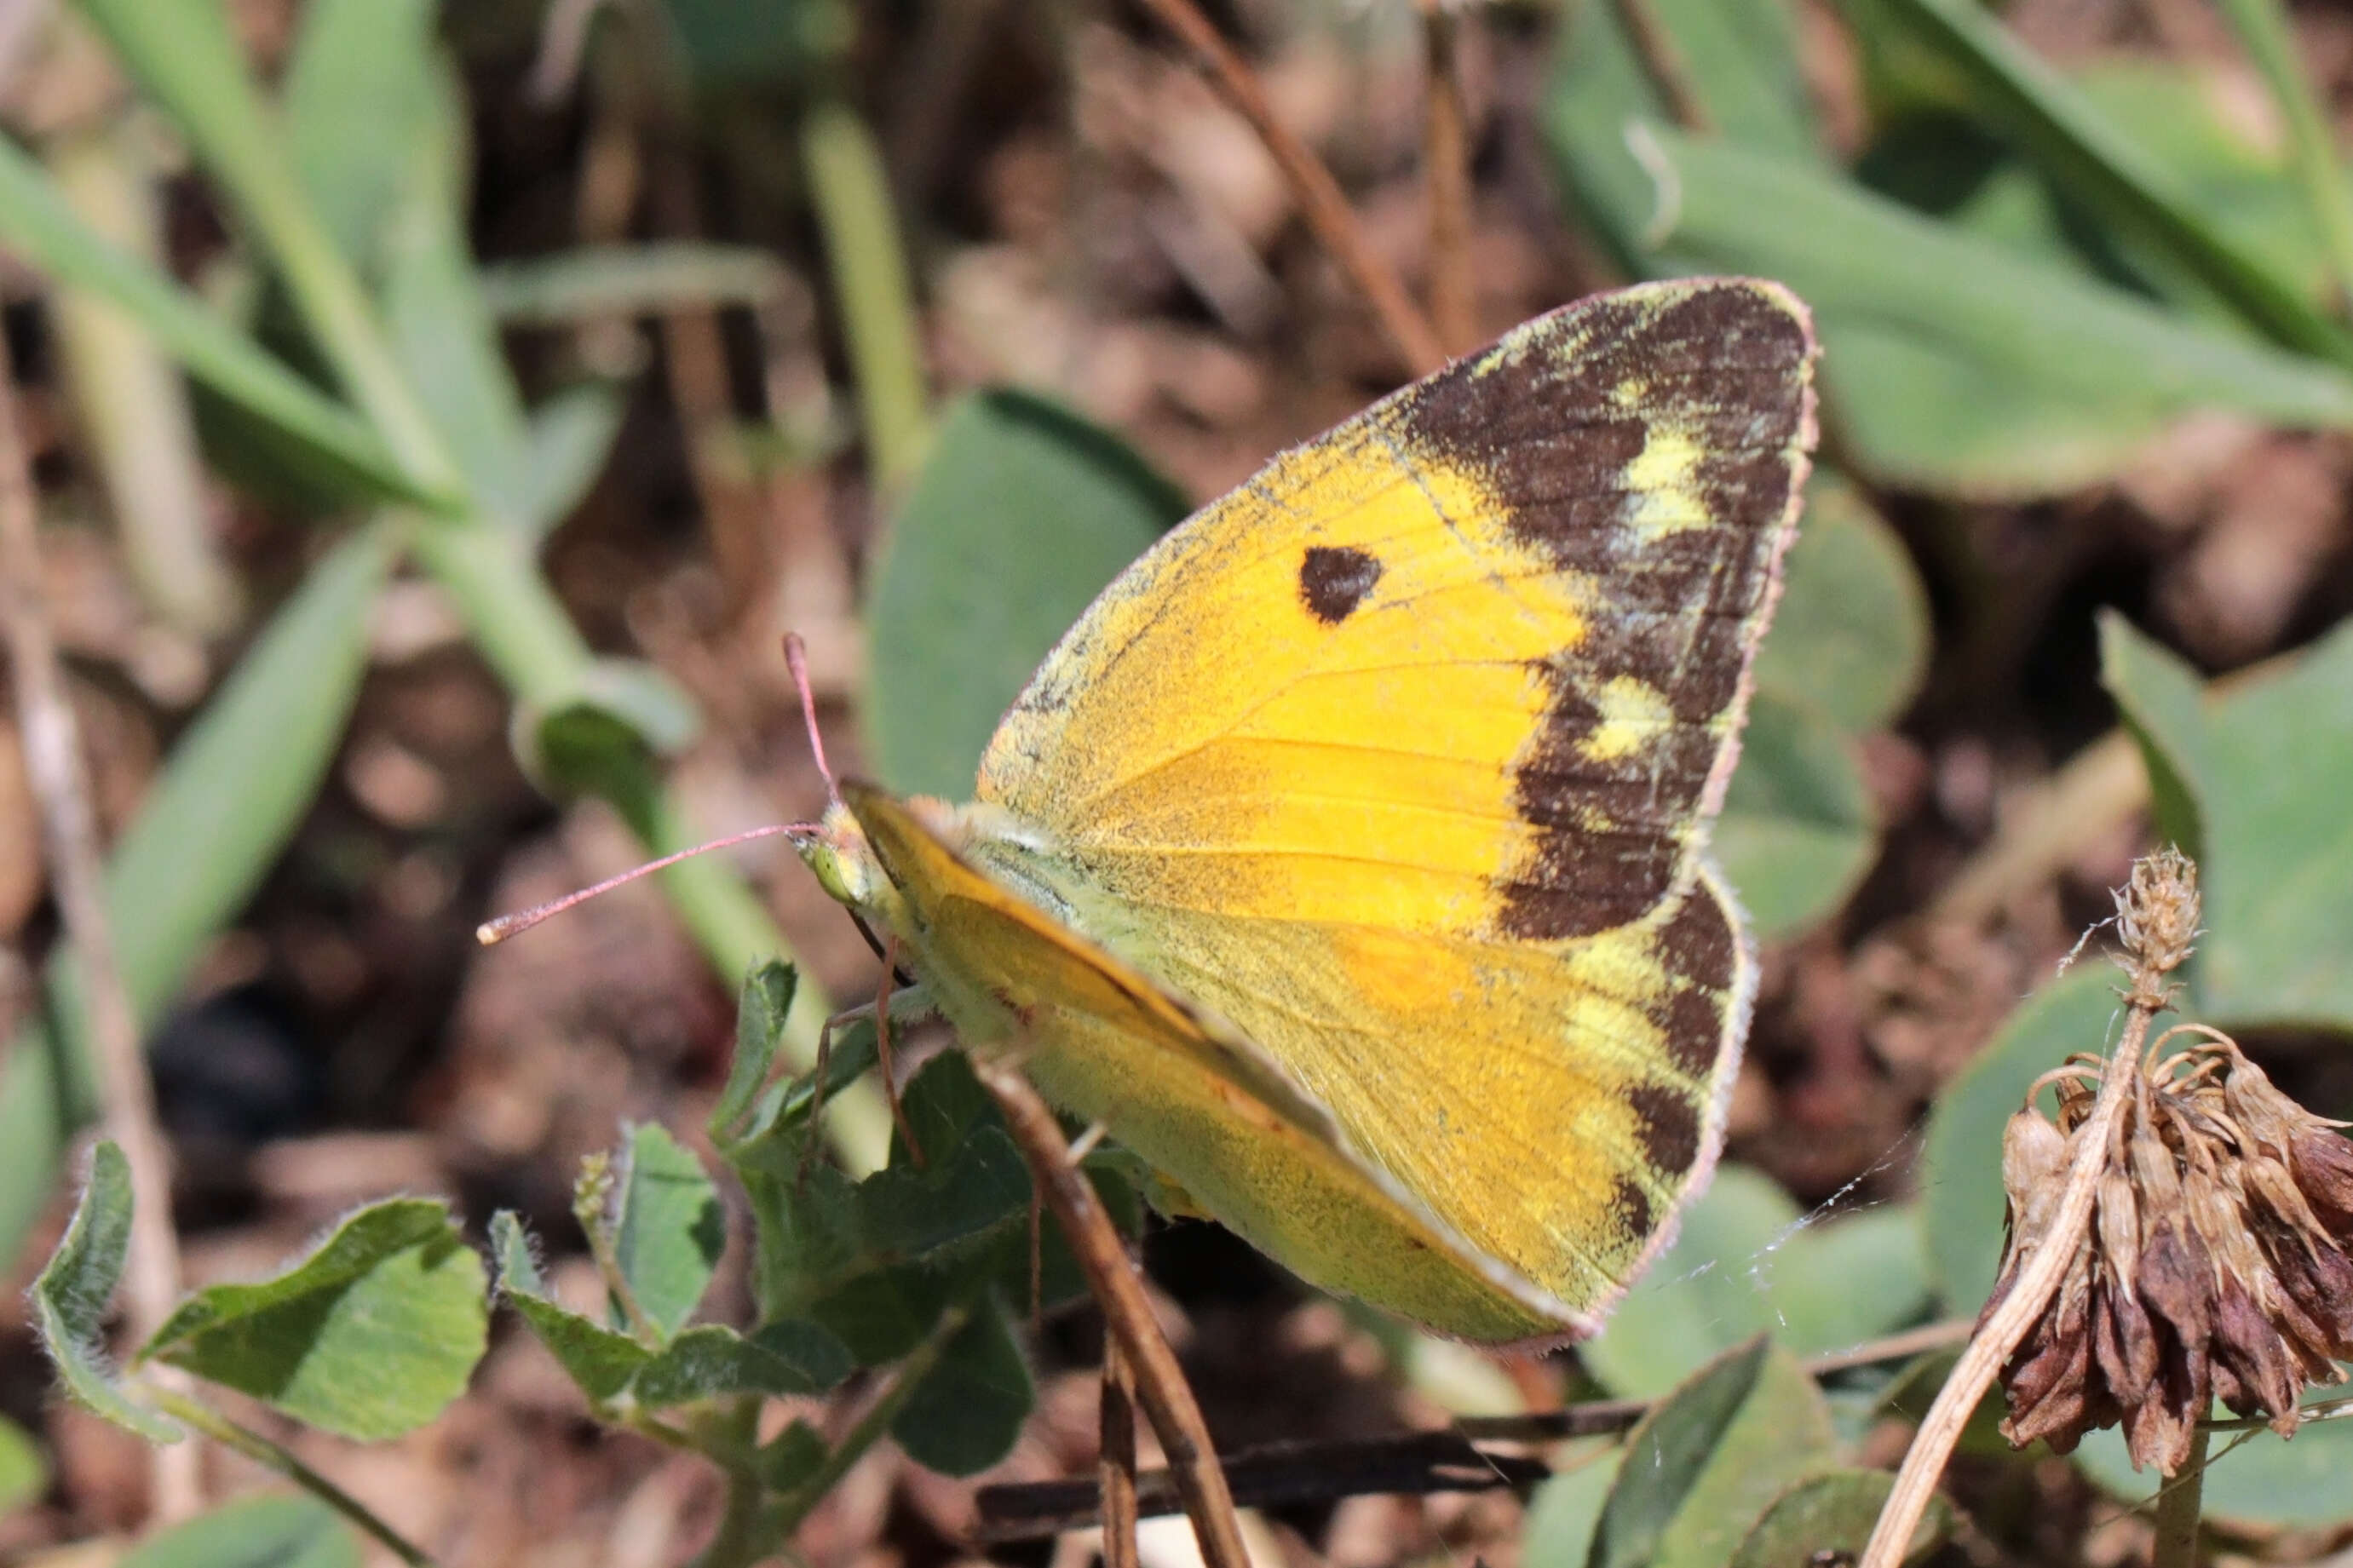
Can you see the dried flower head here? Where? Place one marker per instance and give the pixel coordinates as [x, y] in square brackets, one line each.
[2219, 1264]
[2156, 919]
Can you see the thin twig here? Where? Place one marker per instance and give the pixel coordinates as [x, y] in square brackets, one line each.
[53, 763]
[1662, 63]
[1160, 1382]
[1279, 1475]
[1319, 196]
[2044, 1269]
[1116, 1467]
[1288, 1474]
[1446, 154]
[2178, 1509]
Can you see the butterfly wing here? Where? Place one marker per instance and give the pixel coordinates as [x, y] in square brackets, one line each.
[1185, 1091]
[1399, 760]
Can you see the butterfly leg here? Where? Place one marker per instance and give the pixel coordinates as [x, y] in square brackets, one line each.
[882, 1048]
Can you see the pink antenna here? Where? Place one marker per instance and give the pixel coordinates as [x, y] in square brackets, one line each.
[489, 933]
[797, 660]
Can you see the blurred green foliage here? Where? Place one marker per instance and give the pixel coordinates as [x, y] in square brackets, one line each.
[2022, 279]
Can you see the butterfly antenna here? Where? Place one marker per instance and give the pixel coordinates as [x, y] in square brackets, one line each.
[797, 660]
[489, 933]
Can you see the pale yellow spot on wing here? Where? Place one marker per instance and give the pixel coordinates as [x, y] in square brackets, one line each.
[1633, 714]
[1660, 485]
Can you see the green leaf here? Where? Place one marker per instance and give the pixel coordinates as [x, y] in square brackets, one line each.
[1960, 1161]
[370, 1336]
[590, 282]
[186, 59]
[75, 1288]
[1565, 1512]
[2255, 1481]
[792, 1458]
[357, 99]
[804, 1234]
[1832, 1516]
[2264, 31]
[1669, 1454]
[2161, 700]
[570, 436]
[972, 1178]
[2111, 174]
[1846, 653]
[237, 784]
[669, 1227]
[727, 43]
[966, 1414]
[1913, 313]
[1851, 637]
[1941, 162]
[254, 1532]
[768, 998]
[37, 225]
[1799, 829]
[1739, 55]
[779, 1124]
[702, 1362]
[439, 328]
[2265, 771]
[712, 1360]
[1781, 1434]
[23, 1473]
[1022, 513]
[883, 1313]
[601, 1360]
[1746, 1261]
[905, 1213]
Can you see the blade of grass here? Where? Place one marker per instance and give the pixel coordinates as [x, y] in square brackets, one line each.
[630, 281]
[45, 233]
[1856, 257]
[131, 402]
[183, 54]
[2051, 122]
[848, 189]
[236, 785]
[2262, 27]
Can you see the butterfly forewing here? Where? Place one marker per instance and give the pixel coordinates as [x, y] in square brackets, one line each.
[1400, 760]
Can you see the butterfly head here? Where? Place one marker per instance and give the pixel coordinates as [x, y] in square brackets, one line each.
[835, 848]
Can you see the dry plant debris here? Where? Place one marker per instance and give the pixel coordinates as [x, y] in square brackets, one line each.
[2215, 1265]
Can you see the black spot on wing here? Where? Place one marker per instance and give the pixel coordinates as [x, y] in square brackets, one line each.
[1667, 1125]
[1554, 422]
[1632, 1206]
[1699, 952]
[1333, 581]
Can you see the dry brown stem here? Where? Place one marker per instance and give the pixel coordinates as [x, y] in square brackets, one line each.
[1319, 196]
[53, 762]
[2157, 917]
[1446, 154]
[1160, 1384]
[1116, 1467]
[1662, 63]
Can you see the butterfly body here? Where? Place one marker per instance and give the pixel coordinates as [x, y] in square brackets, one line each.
[1345, 858]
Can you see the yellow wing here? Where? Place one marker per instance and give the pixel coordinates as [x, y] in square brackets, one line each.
[1183, 1089]
[1398, 762]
